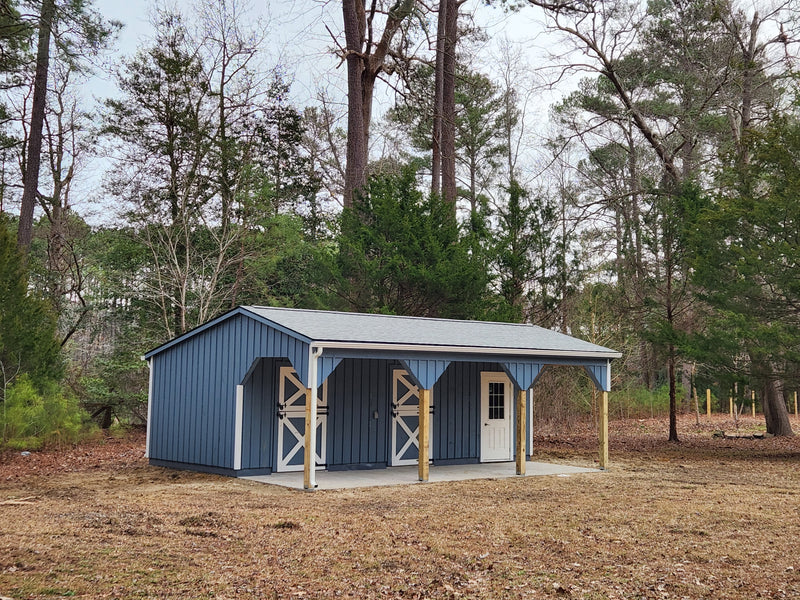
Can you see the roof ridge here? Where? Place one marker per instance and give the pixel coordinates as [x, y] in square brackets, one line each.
[385, 316]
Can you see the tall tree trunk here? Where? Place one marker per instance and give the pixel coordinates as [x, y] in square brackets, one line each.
[34, 155]
[448, 137]
[354, 27]
[776, 415]
[436, 154]
[669, 269]
[365, 60]
[673, 405]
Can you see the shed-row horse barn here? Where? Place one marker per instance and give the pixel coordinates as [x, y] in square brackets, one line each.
[232, 396]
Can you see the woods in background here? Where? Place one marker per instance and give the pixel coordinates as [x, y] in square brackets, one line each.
[656, 214]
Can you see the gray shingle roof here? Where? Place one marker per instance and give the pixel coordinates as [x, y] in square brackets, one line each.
[357, 328]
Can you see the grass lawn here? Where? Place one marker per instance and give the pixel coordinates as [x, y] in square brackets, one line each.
[706, 518]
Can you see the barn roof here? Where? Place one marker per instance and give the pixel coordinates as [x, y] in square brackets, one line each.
[371, 329]
[363, 330]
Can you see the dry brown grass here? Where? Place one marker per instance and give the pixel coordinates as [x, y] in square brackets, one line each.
[708, 518]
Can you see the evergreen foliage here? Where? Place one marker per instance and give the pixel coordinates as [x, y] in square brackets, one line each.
[34, 416]
[747, 263]
[28, 344]
[401, 252]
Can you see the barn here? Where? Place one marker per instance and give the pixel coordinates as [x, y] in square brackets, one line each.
[230, 397]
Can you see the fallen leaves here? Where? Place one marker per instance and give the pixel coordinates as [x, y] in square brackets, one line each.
[706, 518]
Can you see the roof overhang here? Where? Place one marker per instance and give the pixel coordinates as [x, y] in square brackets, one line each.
[490, 350]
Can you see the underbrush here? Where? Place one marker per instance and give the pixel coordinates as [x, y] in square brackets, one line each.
[31, 419]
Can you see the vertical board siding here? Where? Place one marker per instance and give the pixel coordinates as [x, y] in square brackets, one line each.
[358, 388]
[523, 374]
[194, 388]
[457, 411]
[599, 376]
[259, 415]
[426, 371]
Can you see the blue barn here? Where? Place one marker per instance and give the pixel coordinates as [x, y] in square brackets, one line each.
[231, 396]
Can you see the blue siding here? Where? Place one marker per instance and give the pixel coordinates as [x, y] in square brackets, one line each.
[259, 423]
[457, 411]
[358, 389]
[599, 376]
[426, 372]
[523, 374]
[194, 388]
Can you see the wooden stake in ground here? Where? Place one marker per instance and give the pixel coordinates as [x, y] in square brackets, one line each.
[708, 402]
[795, 404]
[730, 404]
[753, 401]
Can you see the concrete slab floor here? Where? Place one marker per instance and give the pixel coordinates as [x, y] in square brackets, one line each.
[338, 480]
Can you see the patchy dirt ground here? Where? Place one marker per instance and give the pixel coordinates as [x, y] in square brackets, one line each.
[706, 518]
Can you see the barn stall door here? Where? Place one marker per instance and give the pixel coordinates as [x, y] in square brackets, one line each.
[292, 422]
[405, 420]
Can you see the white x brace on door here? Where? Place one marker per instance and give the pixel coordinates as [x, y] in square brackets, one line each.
[405, 420]
[292, 422]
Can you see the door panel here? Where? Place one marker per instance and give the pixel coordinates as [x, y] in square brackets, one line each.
[496, 417]
[405, 420]
[292, 422]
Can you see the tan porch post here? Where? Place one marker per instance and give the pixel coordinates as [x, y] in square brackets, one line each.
[602, 433]
[424, 432]
[521, 419]
[308, 458]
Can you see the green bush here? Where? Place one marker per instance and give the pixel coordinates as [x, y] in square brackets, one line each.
[639, 402]
[30, 419]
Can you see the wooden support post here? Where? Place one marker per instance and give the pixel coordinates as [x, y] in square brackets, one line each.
[730, 405]
[424, 433]
[602, 432]
[795, 404]
[708, 402]
[753, 400]
[308, 460]
[521, 420]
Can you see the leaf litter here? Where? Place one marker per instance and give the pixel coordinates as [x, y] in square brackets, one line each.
[709, 517]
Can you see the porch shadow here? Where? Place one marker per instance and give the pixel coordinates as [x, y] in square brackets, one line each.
[337, 480]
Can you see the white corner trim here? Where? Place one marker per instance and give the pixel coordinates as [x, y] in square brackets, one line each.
[237, 432]
[313, 354]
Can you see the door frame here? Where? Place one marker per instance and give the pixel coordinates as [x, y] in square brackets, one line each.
[397, 411]
[297, 410]
[488, 377]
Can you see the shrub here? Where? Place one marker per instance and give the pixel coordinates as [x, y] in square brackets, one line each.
[640, 402]
[30, 419]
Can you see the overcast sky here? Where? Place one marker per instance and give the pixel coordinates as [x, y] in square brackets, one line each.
[299, 39]
[298, 35]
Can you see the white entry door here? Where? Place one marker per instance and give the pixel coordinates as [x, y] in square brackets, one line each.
[496, 417]
[405, 420]
[292, 422]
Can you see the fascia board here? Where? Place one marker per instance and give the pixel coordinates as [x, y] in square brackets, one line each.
[534, 353]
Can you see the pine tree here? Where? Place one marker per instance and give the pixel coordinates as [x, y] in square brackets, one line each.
[28, 342]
